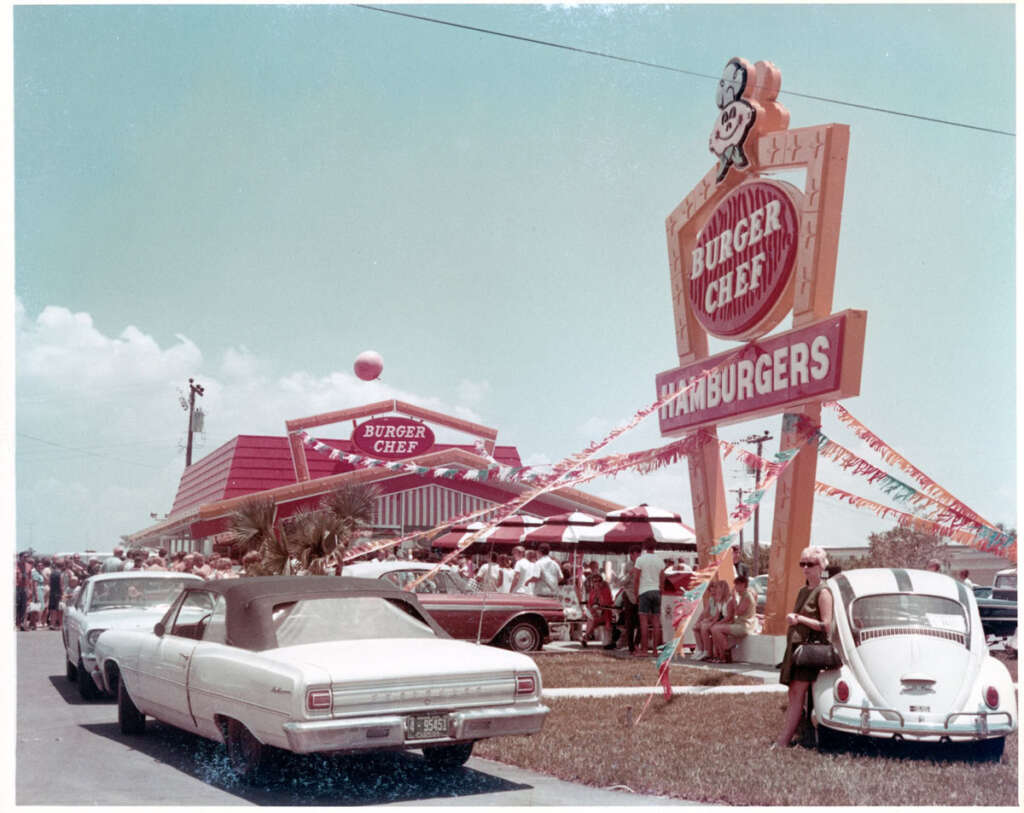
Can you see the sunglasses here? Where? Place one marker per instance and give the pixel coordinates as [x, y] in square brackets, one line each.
[810, 564]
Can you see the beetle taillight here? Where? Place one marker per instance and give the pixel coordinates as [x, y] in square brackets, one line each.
[525, 684]
[318, 699]
[842, 691]
[992, 697]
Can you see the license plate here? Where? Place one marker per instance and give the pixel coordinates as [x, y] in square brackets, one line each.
[426, 726]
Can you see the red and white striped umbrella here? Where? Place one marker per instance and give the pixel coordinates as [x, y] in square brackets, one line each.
[510, 531]
[507, 533]
[561, 531]
[451, 539]
[642, 523]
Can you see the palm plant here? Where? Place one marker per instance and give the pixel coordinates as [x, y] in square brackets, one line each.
[252, 526]
[319, 538]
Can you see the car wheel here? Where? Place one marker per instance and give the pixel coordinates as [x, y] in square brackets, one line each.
[246, 754]
[990, 750]
[448, 756]
[70, 670]
[86, 687]
[523, 636]
[131, 720]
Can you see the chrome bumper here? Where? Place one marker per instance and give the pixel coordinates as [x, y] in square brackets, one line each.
[879, 722]
[388, 731]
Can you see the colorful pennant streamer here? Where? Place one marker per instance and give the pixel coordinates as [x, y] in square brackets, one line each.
[891, 456]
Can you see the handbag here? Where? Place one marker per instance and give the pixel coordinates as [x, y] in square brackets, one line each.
[816, 656]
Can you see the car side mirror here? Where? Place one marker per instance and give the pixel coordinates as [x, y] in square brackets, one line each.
[158, 629]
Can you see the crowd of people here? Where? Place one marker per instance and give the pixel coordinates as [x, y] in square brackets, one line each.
[45, 585]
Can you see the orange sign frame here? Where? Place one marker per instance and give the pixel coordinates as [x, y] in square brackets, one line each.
[820, 151]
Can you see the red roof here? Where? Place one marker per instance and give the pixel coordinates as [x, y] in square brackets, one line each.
[250, 463]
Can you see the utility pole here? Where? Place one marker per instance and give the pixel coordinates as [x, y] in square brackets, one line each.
[760, 440]
[739, 499]
[193, 391]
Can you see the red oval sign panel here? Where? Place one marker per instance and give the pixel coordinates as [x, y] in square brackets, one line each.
[393, 438]
[741, 268]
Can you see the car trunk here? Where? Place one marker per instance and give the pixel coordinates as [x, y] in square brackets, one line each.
[928, 673]
[402, 675]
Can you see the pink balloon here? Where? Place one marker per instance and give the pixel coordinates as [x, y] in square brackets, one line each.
[368, 365]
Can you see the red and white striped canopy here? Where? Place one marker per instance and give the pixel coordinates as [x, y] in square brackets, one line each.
[642, 523]
[561, 531]
[507, 533]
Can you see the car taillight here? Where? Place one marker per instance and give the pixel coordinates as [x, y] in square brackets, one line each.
[525, 684]
[318, 699]
[842, 691]
[992, 697]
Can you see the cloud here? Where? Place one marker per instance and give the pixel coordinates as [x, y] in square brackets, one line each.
[473, 392]
[101, 432]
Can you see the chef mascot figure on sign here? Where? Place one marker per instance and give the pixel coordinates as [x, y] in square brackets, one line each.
[745, 95]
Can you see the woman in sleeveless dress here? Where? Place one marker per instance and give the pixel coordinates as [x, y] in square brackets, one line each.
[810, 620]
[729, 632]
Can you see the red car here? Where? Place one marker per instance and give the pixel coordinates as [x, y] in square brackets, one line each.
[520, 622]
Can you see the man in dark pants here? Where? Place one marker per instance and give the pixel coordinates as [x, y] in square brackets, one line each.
[630, 614]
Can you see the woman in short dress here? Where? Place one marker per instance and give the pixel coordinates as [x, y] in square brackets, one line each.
[727, 633]
[714, 602]
[810, 620]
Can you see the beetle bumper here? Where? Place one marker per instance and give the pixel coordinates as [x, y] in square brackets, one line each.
[389, 731]
[955, 727]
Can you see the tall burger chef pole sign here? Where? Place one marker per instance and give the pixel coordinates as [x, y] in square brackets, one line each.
[744, 252]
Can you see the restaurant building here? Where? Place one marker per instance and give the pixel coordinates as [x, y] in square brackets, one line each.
[296, 477]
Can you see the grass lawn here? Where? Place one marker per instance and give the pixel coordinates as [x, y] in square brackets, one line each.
[714, 749]
[596, 669]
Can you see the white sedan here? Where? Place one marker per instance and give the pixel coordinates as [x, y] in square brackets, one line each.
[125, 600]
[316, 664]
[915, 666]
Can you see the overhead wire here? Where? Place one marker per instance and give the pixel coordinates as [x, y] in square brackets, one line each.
[85, 451]
[673, 69]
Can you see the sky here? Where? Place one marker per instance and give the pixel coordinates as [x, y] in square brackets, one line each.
[253, 195]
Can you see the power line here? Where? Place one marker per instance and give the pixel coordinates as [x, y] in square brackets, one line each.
[86, 452]
[659, 66]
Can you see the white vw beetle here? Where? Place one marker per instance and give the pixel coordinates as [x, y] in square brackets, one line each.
[126, 600]
[316, 664]
[914, 664]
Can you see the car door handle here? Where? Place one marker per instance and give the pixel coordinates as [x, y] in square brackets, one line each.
[183, 656]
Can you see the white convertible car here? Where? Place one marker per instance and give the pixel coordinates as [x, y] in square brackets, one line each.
[316, 664]
[127, 600]
[915, 665]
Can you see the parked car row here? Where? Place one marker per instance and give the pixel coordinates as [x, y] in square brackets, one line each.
[295, 663]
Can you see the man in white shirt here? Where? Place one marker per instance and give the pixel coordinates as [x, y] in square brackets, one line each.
[549, 573]
[489, 576]
[523, 572]
[647, 578]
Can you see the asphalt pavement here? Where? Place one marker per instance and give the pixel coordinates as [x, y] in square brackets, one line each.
[71, 752]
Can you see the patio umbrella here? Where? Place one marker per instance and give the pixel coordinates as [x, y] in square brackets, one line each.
[451, 539]
[507, 534]
[634, 526]
[510, 531]
[561, 531]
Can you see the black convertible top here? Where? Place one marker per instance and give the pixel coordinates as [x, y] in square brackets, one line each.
[251, 599]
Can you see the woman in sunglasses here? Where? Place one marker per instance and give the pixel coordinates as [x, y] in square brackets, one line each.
[809, 622]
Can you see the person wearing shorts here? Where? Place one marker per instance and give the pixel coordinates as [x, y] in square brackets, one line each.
[647, 576]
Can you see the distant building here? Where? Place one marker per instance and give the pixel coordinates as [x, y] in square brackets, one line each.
[983, 566]
[296, 477]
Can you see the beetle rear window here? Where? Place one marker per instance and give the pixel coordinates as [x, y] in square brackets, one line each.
[908, 610]
[359, 618]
